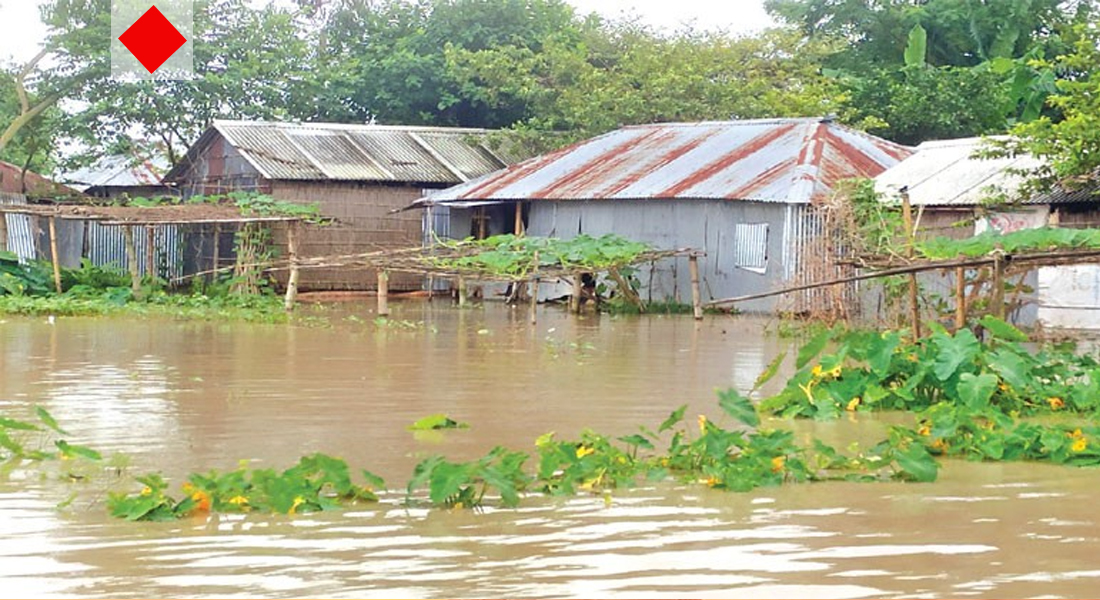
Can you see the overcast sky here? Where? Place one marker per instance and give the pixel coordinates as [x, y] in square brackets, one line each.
[20, 30]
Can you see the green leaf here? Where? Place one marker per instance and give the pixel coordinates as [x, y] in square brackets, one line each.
[637, 440]
[7, 423]
[917, 463]
[1002, 330]
[739, 407]
[917, 48]
[71, 450]
[811, 349]
[773, 368]
[975, 391]
[953, 352]
[373, 481]
[674, 418]
[447, 479]
[48, 420]
[438, 421]
[11, 445]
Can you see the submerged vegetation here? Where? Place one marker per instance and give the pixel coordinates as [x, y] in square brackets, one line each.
[996, 398]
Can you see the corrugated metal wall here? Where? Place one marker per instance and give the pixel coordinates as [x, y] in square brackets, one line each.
[106, 247]
[20, 229]
[709, 225]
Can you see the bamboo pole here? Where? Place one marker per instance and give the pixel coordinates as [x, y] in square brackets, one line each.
[519, 219]
[293, 241]
[54, 257]
[3, 232]
[150, 251]
[534, 306]
[696, 295]
[960, 298]
[851, 279]
[217, 252]
[383, 293]
[132, 260]
[462, 292]
[575, 298]
[914, 300]
[998, 299]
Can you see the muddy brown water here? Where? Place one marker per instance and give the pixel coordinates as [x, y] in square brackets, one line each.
[180, 397]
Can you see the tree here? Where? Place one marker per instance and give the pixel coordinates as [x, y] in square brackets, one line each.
[249, 63]
[1069, 142]
[960, 32]
[913, 71]
[68, 59]
[619, 74]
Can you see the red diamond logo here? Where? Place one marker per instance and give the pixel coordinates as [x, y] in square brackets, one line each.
[152, 39]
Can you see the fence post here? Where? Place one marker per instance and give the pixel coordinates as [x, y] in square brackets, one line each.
[54, 258]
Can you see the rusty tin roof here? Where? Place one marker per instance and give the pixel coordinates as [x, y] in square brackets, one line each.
[376, 153]
[774, 160]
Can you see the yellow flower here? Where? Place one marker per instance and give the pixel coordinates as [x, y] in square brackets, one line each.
[854, 404]
[583, 451]
[835, 372]
[940, 444]
[702, 424]
[1079, 445]
[913, 358]
[1056, 403]
[298, 501]
[238, 500]
[622, 460]
[202, 500]
[817, 372]
[1077, 434]
[145, 491]
[925, 428]
[778, 463]
[712, 481]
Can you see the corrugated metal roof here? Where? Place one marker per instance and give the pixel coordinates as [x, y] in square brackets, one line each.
[14, 181]
[117, 171]
[948, 173]
[328, 151]
[775, 160]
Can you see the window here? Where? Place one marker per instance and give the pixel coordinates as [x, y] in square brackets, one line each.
[751, 247]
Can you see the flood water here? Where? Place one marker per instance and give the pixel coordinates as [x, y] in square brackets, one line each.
[178, 397]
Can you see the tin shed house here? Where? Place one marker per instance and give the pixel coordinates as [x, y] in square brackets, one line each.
[958, 194]
[739, 190]
[357, 174]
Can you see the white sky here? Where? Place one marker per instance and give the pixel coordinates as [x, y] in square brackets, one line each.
[21, 31]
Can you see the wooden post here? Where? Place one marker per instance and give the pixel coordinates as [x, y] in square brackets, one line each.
[914, 301]
[132, 260]
[293, 242]
[575, 298]
[461, 292]
[535, 291]
[217, 251]
[150, 251]
[960, 298]
[998, 299]
[54, 257]
[383, 293]
[3, 232]
[519, 219]
[696, 294]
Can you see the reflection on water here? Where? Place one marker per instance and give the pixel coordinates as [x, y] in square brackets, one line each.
[179, 397]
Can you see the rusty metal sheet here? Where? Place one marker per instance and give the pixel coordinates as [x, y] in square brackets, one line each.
[775, 160]
[327, 151]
